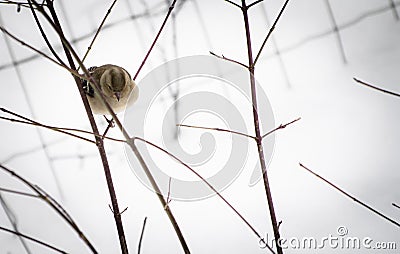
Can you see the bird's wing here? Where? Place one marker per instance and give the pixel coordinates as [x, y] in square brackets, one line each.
[87, 88]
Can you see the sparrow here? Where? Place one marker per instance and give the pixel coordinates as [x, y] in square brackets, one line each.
[116, 85]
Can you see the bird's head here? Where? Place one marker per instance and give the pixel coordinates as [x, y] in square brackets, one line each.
[113, 81]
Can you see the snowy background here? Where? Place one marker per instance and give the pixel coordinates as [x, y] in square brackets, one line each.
[348, 133]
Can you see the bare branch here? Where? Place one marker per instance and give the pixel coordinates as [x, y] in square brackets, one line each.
[141, 235]
[351, 197]
[395, 205]
[277, 52]
[12, 217]
[235, 4]
[257, 131]
[207, 183]
[282, 126]
[19, 193]
[28, 100]
[44, 36]
[97, 32]
[229, 60]
[70, 55]
[53, 128]
[169, 191]
[33, 240]
[254, 3]
[155, 39]
[18, 4]
[376, 88]
[270, 32]
[53, 204]
[157, 12]
[216, 129]
[75, 73]
[54, 22]
[32, 122]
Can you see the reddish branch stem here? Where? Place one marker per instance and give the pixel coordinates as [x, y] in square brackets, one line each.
[99, 141]
[257, 128]
[352, 197]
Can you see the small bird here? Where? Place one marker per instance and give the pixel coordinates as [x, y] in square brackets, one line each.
[116, 85]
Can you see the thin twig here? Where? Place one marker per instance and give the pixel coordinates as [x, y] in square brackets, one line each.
[395, 205]
[19, 193]
[44, 36]
[352, 197]
[254, 3]
[98, 31]
[216, 129]
[54, 128]
[270, 32]
[14, 222]
[276, 47]
[171, 7]
[229, 60]
[88, 35]
[32, 112]
[169, 190]
[282, 126]
[158, 12]
[167, 209]
[208, 184]
[20, 4]
[40, 53]
[63, 130]
[235, 4]
[47, 127]
[53, 204]
[65, 18]
[33, 240]
[256, 121]
[141, 235]
[376, 88]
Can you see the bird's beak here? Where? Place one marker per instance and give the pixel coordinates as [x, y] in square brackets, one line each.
[118, 95]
